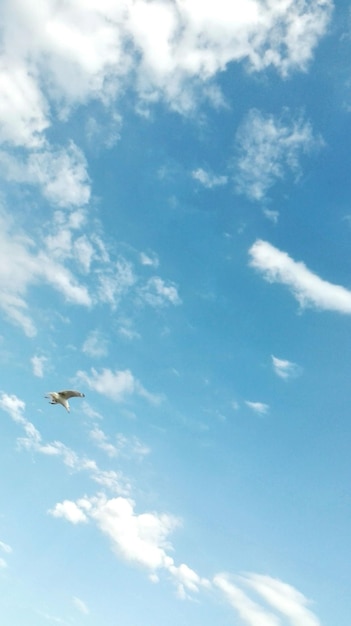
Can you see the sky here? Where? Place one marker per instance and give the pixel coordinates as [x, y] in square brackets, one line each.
[175, 244]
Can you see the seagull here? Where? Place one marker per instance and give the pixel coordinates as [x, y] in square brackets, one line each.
[61, 397]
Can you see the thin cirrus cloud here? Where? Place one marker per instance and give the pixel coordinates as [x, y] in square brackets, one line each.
[268, 147]
[285, 369]
[80, 605]
[281, 601]
[310, 290]
[33, 441]
[258, 407]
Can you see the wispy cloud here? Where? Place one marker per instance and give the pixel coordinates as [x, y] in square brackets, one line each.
[66, 254]
[38, 365]
[150, 259]
[282, 601]
[116, 482]
[267, 148]
[250, 611]
[80, 605]
[159, 293]
[258, 407]
[309, 289]
[208, 179]
[95, 344]
[285, 369]
[61, 174]
[4, 547]
[119, 445]
[284, 598]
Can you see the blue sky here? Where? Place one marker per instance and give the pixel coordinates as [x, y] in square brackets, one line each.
[174, 243]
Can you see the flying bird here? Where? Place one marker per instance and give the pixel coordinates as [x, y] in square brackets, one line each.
[61, 397]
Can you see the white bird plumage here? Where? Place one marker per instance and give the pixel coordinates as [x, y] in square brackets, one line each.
[61, 397]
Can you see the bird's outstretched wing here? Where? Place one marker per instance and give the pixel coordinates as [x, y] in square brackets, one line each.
[69, 393]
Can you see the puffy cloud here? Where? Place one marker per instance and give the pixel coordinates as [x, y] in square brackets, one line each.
[259, 407]
[60, 56]
[309, 289]
[285, 369]
[117, 385]
[138, 538]
[267, 147]
[69, 511]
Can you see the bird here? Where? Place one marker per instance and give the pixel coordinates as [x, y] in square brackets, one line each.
[61, 397]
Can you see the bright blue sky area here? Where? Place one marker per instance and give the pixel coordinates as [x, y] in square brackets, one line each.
[175, 244]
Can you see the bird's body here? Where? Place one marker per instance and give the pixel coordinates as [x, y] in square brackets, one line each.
[61, 397]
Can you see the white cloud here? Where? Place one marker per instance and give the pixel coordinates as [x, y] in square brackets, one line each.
[259, 407]
[285, 369]
[101, 440]
[38, 364]
[284, 598]
[308, 289]
[115, 481]
[187, 580]
[23, 107]
[5, 547]
[208, 179]
[121, 446]
[138, 538]
[61, 174]
[116, 281]
[250, 612]
[95, 344]
[267, 148]
[117, 385]
[150, 259]
[55, 57]
[80, 605]
[286, 601]
[23, 265]
[158, 293]
[69, 511]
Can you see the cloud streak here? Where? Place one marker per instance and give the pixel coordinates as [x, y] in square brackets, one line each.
[310, 290]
